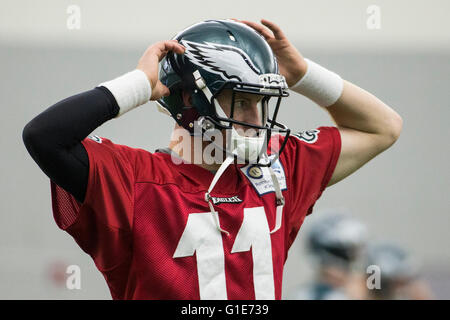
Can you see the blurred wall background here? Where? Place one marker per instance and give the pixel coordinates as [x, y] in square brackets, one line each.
[402, 195]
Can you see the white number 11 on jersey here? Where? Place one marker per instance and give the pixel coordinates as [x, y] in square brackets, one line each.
[200, 236]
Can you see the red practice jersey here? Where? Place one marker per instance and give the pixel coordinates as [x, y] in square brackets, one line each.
[149, 230]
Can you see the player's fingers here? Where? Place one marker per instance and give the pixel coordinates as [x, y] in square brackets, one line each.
[173, 45]
[265, 32]
[164, 90]
[163, 47]
[277, 32]
[159, 91]
[167, 46]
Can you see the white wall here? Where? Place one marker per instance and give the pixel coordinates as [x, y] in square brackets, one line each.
[339, 24]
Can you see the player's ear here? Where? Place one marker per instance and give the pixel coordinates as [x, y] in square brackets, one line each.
[187, 98]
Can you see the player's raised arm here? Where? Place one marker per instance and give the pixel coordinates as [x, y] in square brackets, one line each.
[367, 127]
[366, 124]
[53, 138]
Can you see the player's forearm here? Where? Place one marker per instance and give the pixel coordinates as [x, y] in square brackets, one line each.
[360, 110]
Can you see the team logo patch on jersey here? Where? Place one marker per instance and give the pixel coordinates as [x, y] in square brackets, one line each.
[308, 136]
[217, 200]
[95, 138]
[261, 180]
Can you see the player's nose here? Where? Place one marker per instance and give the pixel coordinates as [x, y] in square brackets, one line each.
[252, 115]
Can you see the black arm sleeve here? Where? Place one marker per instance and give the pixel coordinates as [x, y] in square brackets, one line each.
[53, 138]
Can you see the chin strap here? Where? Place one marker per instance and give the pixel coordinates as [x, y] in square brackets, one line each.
[280, 201]
[219, 172]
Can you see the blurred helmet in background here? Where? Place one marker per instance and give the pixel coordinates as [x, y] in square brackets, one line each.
[395, 264]
[337, 240]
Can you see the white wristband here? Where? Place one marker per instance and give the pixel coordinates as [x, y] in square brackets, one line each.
[319, 84]
[130, 90]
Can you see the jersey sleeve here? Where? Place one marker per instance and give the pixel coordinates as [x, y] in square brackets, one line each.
[102, 224]
[311, 158]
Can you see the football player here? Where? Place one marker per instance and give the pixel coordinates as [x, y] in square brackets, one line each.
[215, 221]
[337, 245]
[400, 277]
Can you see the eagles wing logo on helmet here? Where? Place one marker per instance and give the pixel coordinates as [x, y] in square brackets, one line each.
[229, 62]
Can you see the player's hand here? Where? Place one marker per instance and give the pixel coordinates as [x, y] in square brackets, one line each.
[149, 63]
[290, 61]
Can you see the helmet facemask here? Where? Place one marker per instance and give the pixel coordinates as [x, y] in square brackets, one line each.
[247, 141]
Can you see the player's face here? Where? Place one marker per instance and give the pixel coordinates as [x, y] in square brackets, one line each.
[247, 108]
